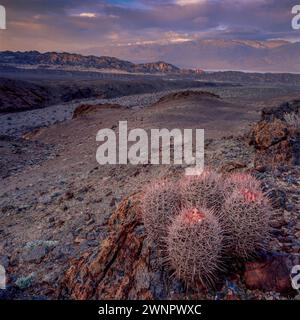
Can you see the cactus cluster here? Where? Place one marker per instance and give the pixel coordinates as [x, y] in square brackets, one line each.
[201, 221]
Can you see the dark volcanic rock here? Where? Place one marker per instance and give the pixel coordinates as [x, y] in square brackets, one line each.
[269, 114]
[17, 95]
[35, 255]
[272, 273]
[276, 142]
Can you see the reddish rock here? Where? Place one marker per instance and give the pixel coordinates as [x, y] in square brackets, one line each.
[119, 269]
[271, 274]
[275, 140]
[275, 143]
[278, 223]
[267, 134]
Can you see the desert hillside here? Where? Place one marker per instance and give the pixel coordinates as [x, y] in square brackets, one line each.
[63, 214]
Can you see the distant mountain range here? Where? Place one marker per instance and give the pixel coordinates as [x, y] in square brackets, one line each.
[54, 60]
[182, 57]
[243, 55]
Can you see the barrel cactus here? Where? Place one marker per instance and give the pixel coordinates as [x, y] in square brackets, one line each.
[240, 181]
[205, 190]
[194, 246]
[246, 221]
[160, 202]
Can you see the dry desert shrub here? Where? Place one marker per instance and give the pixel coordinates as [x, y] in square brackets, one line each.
[292, 119]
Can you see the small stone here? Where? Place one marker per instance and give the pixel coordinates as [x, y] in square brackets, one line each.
[297, 234]
[113, 202]
[90, 222]
[68, 195]
[287, 216]
[35, 254]
[45, 199]
[4, 261]
[79, 240]
[91, 236]
[51, 220]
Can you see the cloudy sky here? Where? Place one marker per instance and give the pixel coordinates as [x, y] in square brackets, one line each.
[74, 25]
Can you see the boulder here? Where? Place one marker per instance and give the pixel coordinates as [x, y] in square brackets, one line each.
[271, 273]
[275, 143]
[269, 114]
[120, 268]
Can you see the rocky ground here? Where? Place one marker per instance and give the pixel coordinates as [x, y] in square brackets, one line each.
[71, 228]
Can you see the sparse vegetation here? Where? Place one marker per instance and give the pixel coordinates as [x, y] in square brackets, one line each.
[293, 119]
[48, 244]
[222, 217]
[25, 282]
